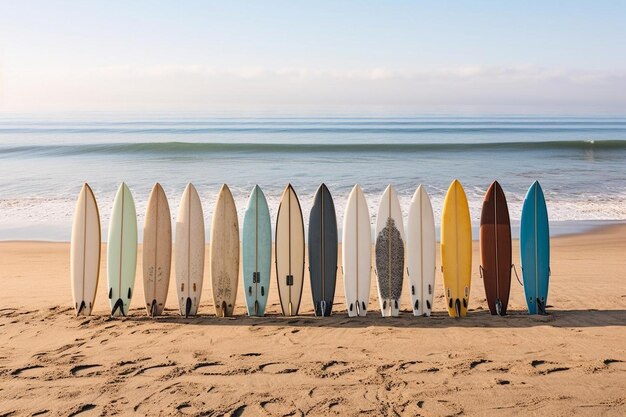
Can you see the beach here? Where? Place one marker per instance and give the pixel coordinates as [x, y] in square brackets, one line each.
[571, 361]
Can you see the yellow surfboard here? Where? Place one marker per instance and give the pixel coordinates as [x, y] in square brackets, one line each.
[456, 250]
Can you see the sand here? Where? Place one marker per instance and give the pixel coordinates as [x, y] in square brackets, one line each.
[570, 362]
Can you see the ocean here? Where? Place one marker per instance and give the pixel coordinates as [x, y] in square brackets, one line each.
[579, 161]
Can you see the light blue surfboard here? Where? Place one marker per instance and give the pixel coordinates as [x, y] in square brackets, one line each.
[257, 252]
[535, 249]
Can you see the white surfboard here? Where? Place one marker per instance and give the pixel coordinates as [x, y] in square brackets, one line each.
[157, 251]
[85, 251]
[189, 252]
[389, 253]
[122, 252]
[356, 250]
[421, 249]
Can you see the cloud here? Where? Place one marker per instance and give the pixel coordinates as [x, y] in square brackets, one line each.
[197, 87]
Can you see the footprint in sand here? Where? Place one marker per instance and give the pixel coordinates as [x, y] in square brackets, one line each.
[157, 370]
[332, 369]
[29, 371]
[212, 368]
[85, 370]
[83, 410]
[277, 368]
[410, 366]
[278, 407]
[545, 367]
[614, 364]
[473, 364]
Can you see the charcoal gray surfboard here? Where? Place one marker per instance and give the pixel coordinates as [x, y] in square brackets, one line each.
[323, 251]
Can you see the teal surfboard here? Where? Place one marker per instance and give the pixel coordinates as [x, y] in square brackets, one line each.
[257, 252]
[122, 252]
[535, 249]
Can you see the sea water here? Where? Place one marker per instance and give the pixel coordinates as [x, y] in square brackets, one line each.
[580, 162]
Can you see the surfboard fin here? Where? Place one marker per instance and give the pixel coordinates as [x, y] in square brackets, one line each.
[323, 308]
[153, 308]
[541, 309]
[499, 307]
[457, 308]
[223, 309]
[119, 304]
[82, 306]
[187, 307]
[256, 308]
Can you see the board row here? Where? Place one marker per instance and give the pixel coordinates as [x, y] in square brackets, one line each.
[394, 252]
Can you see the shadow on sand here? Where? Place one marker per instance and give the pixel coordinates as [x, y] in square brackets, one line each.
[515, 319]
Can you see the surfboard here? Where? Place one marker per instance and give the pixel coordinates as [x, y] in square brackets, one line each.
[85, 251]
[257, 252]
[289, 252]
[157, 251]
[189, 252]
[224, 253]
[535, 249]
[389, 253]
[122, 251]
[495, 249]
[456, 250]
[421, 249]
[356, 249]
[323, 251]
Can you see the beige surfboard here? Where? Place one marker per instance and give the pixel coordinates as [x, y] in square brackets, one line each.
[290, 252]
[225, 253]
[157, 251]
[85, 251]
[189, 252]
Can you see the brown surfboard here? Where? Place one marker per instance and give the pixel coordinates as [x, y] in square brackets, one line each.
[495, 249]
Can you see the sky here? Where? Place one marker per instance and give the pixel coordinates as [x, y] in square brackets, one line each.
[422, 57]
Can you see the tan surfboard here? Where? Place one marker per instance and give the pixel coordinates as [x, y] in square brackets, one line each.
[225, 253]
[157, 251]
[290, 252]
[189, 252]
[85, 252]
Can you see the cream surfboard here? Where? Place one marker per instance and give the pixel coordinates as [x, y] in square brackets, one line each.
[421, 249]
[389, 253]
[456, 250]
[356, 249]
[157, 251]
[122, 251]
[85, 251]
[189, 252]
[224, 253]
[289, 250]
